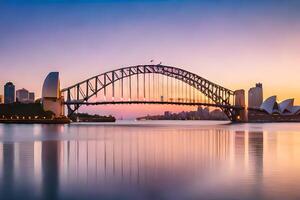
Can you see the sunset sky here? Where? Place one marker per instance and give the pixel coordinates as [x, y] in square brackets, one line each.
[233, 43]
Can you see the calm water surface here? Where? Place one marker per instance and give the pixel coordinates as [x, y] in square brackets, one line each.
[150, 160]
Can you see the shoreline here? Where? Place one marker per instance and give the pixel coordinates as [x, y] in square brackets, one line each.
[37, 121]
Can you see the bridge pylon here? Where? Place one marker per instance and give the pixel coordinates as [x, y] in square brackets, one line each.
[239, 102]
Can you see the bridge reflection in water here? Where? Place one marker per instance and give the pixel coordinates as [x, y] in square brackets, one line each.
[140, 162]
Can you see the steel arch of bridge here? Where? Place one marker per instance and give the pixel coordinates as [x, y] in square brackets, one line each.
[79, 94]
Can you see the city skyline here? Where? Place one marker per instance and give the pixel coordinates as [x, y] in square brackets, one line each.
[233, 43]
[149, 99]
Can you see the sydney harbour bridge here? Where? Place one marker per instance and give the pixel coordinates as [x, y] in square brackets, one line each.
[151, 84]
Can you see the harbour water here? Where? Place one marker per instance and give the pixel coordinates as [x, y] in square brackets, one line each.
[150, 160]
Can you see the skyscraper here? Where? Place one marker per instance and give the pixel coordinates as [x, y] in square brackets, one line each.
[255, 96]
[9, 93]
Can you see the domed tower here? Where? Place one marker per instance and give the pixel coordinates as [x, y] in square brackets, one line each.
[51, 95]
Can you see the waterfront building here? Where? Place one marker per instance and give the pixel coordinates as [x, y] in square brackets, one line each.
[51, 95]
[167, 114]
[1, 99]
[31, 97]
[199, 109]
[273, 111]
[286, 107]
[205, 113]
[9, 93]
[255, 96]
[200, 114]
[217, 114]
[22, 95]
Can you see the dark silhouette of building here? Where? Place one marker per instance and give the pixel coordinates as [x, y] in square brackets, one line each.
[9, 93]
[22, 95]
[200, 114]
[31, 97]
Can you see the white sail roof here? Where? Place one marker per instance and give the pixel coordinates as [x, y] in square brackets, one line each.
[268, 104]
[285, 107]
[295, 109]
[51, 86]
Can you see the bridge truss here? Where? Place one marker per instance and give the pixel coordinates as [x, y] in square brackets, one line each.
[150, 84]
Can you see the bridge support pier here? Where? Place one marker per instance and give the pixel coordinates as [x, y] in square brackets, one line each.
[240, 114]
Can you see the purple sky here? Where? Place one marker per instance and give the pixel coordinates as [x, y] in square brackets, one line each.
[232, 43]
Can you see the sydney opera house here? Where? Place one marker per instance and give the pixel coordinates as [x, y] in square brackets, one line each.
[273, 111]
[286, 107]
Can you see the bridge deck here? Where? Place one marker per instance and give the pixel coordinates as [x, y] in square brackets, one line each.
[152, 102]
